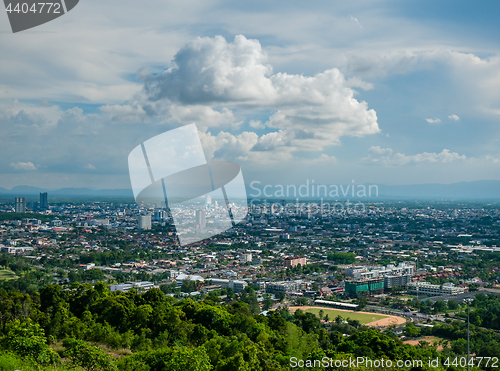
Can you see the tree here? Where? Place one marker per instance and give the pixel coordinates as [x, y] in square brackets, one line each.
[475, 318]
[267, 303]
[88, 357]
[251, 300]
[342, 258]
[280, 295]
[363, 302]
[459, 346]
[440, 306]
[321, 314]
[170, 359]
[411, 330]
[27, 339]
[188, 286]
[301, 301]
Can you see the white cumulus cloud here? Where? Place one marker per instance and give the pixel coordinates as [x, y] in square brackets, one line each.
[23, 166]
[454, 117]
[433, 121]
[386, 156]
[210, 79]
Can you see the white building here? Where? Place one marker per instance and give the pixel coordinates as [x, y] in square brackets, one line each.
[20, 205]
[188, 277]
[367, 272]
[245, 258]
[425, 288]
[144, 222]
[139, 286]
[100, 222]
[89, 266]
[224, 283]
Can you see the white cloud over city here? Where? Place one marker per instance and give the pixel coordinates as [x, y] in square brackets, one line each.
[387, 157]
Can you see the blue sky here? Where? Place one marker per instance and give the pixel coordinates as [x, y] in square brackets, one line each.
[391, 92]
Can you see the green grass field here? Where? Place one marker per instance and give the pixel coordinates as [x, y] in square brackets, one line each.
[333, 313]
[6, 274]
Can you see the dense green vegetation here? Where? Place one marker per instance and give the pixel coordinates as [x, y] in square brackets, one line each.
[158, 332]
[19, 216]
[7, 274]
[342, 257]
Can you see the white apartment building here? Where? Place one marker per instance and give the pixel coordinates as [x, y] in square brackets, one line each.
[144, 222]
[401, 280]
[425, 288]
[287, 286]
[367, 272]
[139, 286]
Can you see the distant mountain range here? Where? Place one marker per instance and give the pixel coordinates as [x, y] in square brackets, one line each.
[476, 190]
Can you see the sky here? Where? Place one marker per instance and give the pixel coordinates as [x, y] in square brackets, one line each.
[364, 92]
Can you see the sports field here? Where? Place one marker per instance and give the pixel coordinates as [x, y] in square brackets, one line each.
[6, 274]
[371, 319]
[333, 313]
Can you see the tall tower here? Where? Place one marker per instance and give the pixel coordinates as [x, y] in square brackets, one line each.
[145, 222]
[20, 205]
[200, 218]
[44, 201]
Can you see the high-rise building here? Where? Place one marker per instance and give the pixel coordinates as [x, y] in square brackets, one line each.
[401, 280]
[145, 222]
[34, 206]
[20, 205]
[200, 218]
[44, 201]
[208, 200]
[371, 285]
[160, 215]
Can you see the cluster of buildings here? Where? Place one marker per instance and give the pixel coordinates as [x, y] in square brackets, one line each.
[374, 279]
[266, 247]
[20, 204]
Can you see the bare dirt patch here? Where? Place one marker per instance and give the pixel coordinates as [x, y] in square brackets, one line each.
[432, 340]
